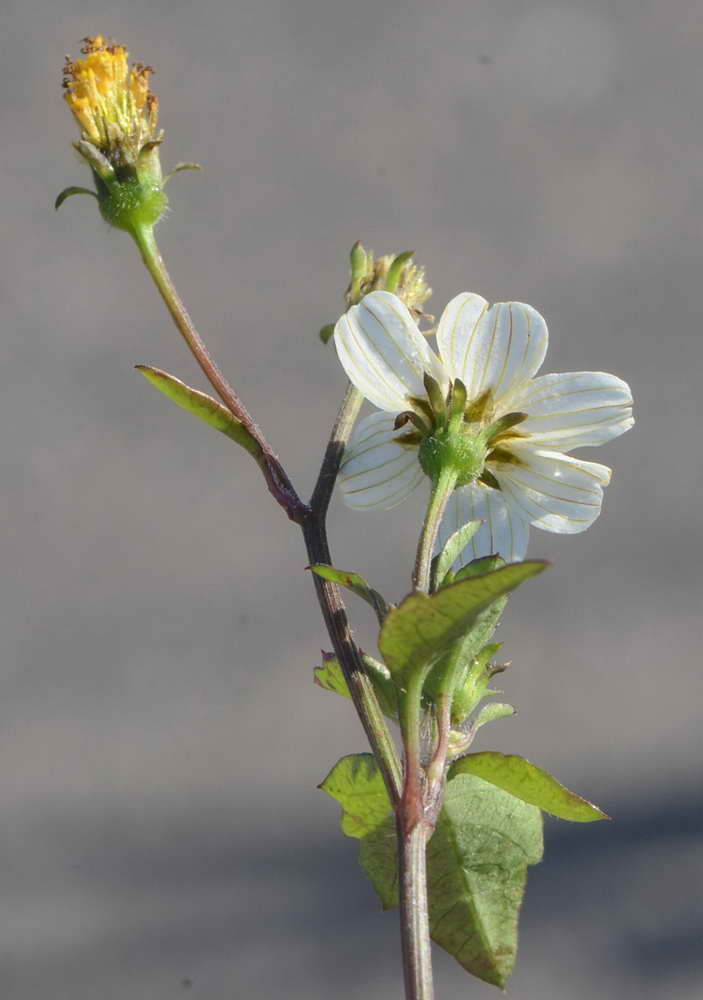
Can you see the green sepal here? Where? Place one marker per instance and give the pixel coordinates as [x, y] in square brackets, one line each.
[454, 546]
[477, 863]
[528, 782]
[361, 265]
[357, 585]
[356, 783]
[423, 627]
[396, 269]
[179, 168]
[326, 333]
[69, 192]
[330, 677]
[202, 406]
[98, 163]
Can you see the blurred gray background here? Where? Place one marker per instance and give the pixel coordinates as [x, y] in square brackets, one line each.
[160, 735]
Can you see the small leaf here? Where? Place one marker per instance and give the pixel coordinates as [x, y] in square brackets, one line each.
[330, 676]
[528, 782]
[423, 626]
[69, 192]
[476, 873]
[356, 783]
[490, 713]
[203, 406]
[456, 543]
[326, 333]
[357, 585]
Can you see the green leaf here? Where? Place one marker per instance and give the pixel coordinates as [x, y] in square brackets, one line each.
[456, 543]
[326, 333]
[357, 585]
[477, 865]
[356, 783]
[330, 676]
[203, 406]
[530, 783]
[423, 626]
[490, 713]
[69, 192]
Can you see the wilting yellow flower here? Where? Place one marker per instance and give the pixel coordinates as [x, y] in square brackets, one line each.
[111, 101]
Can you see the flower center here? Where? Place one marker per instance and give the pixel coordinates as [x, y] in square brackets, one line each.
[455, 434]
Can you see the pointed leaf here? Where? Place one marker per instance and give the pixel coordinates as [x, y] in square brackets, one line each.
[423, 626]
[330, 676]
[476, 869]
[356, 783]
[326, 333]
[456, 543]
[357, 585]
[203, 406]
[530, 783]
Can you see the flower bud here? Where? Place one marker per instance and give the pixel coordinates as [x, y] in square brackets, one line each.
[393, 273]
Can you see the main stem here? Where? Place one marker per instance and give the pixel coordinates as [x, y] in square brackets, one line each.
[405, 795]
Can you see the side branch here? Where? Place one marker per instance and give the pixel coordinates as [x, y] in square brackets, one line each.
[275, 475]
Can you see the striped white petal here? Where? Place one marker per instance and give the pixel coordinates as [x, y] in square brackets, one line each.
[383, 352]
[498, 348]
[554, 491]
[574, 409]
[377, 471]
[505, 530]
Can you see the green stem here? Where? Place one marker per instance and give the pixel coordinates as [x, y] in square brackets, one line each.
[414, 828]
[441, 491]
[276, 478]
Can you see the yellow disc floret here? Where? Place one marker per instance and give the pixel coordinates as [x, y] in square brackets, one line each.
[111, 101]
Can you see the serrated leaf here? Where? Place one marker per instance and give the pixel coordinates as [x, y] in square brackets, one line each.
[423, 626]
[530, 783]
[357, 585]
[330, 676]
[455, 545]
[356, 783]
[202, 406]
[477, 865]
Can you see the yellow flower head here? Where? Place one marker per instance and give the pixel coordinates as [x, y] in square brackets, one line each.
[111, 101]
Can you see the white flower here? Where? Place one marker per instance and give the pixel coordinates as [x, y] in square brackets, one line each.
[496, 351]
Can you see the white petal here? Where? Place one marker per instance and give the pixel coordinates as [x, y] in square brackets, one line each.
[455, 328]
[383, 352]
[574, 409]
[504, 531]
[377, 471]
[554, 491]
[498, 348]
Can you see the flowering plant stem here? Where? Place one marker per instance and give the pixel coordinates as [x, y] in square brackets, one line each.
[414, 829]
[441, 491]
